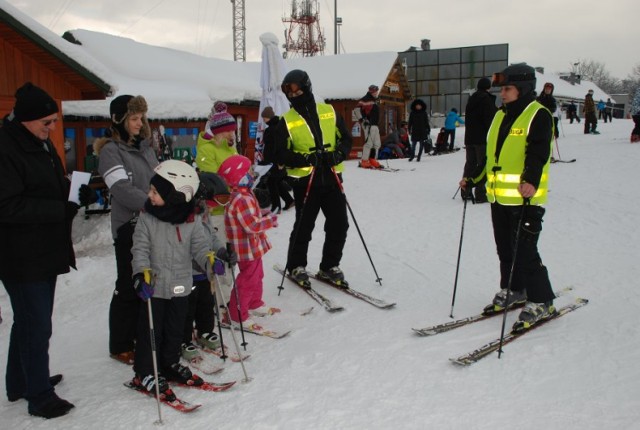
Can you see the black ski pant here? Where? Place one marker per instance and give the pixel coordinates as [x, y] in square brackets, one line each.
[329, 199]
[168, 324]
[123, 311]
[278, 188]
[529, 273]
[452, 133]
[590, 123]
[200, 310]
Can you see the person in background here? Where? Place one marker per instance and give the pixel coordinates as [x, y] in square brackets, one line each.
[450, 123]
[608, 112]
[312, 141]
[246, 227]
[601, 106]
[519, 146]
[572, 112]
[397, 141]
[590, 119]
[419, 129]
[635, 115]
[35, 226]
[126, 163]
[547, 100]
[480, 109]
[278, 188]
[370, 116]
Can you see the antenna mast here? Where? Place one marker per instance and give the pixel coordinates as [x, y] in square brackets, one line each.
[304, 37]
[239, 29]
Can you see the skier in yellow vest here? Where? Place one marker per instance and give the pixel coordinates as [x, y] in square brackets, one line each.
[519, 146]
[312, 141]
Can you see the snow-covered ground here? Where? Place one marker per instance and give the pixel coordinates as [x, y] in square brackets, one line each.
[364, 368]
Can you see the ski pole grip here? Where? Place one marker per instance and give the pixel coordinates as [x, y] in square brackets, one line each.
[147, 276]
[211, 256]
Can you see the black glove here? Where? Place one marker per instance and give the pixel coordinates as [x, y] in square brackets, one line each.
[314, 159]
[87, 195]
[71, 209]
[227, 255]
[333, 158]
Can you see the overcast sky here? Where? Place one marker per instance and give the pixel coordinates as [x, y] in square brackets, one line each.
[553, 34]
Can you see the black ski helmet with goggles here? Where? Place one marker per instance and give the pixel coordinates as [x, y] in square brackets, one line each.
[521, 75]
[298, 77]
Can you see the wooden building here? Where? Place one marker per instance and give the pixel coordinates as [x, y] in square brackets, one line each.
[29, 54]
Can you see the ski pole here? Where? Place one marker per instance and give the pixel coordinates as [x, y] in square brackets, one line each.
[455, 282]
[456, 193]
[152, 335]
[355, 222]
[216, 313]
[237, 294]
[297, 225]
[557, 148]
[513, 267]
[219, 291]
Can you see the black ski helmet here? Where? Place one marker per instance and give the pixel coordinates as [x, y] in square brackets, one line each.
[299, 77]
[211, 185]
[521, 75]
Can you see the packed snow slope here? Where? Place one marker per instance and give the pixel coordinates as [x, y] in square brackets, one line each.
[364, 368]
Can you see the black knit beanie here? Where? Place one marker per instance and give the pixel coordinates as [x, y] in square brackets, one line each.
[484, 84]
[33, 103]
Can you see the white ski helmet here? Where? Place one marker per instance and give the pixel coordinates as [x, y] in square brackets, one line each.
[182, 176]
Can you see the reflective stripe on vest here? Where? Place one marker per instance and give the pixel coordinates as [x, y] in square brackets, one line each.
[301, 138]
[504, 174]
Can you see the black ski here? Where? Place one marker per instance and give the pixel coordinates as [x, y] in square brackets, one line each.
[556, 160]
[486, 349]
[450, 325]
[325, 302]
[379, 303]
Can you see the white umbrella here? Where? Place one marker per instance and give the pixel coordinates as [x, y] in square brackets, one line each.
[271, 75]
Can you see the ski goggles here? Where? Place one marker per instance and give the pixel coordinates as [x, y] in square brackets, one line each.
[290, 88]
[500, 79]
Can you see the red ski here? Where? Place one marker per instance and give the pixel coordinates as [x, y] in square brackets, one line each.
[177, 404]
[208, 386]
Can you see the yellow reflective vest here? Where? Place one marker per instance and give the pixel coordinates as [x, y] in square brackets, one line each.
[301, 138]
[504, 172]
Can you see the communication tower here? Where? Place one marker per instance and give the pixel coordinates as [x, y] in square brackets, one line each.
[304, 37]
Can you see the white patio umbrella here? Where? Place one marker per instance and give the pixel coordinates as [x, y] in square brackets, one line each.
[272, 72]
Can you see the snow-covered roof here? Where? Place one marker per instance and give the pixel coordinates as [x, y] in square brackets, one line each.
[179, 84]
[564, 89]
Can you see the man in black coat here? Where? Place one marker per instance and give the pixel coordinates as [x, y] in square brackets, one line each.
[35, 227]
[480, 109]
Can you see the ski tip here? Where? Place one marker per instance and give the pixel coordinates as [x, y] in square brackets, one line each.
[423, 333]
[461, 362]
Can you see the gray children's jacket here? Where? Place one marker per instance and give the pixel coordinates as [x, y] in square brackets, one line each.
[168, 249]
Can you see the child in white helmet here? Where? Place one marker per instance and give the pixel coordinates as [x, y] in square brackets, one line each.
[168, 236]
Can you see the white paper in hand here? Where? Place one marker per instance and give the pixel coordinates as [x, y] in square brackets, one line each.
[77, 179]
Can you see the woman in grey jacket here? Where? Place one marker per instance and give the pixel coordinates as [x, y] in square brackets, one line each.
[126, 163]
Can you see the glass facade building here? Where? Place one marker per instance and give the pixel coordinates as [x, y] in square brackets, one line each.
[444, 78]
